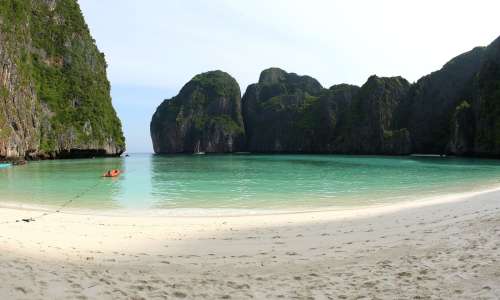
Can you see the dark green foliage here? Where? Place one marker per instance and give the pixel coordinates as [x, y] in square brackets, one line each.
[279, 112]
[228, 124]
[4, 92]
[14, 14]
[4, 128]
[285, 112]
[307, 113]
[441, 121]
[431, 102]
[371, 127]
[215, 83]
[71, 76]
[462, 130]
[462, 107]
[205, 116]
[488, 137]
[67, 70]
[288, 113]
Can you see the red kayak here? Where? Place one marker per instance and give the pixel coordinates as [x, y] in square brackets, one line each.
[112, 173]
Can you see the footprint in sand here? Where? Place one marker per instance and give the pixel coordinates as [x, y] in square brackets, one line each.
[179, 294]
[21, 290]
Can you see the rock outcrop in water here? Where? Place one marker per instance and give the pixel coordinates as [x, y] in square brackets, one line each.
[372, 129]
[483, 135]
[54, 94]
[279, 112]
[432, 100]
[204, 117]
[285, 112]
[455, 110]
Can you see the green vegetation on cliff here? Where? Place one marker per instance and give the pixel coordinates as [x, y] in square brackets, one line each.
[488, 82]
[52, 51]
[205, 116]
[287, 113]
[279, 112]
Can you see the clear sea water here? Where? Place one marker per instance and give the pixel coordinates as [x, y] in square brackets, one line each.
[252, 182]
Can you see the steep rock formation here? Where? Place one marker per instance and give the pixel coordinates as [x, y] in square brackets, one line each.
[433, 99]
[279, 112]
[373, 129]
[462, 130]
[204, 117]
[455, 110]
[486, 104]
[331, 132]
[54, 95]
[287, 113]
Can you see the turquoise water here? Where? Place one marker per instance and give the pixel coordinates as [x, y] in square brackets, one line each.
[242, 181]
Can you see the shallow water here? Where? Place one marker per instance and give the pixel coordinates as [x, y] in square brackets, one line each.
[242, 181]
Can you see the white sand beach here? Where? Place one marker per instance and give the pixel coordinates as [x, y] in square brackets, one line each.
[442, 248]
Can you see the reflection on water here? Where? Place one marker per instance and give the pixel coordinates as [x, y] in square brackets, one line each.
[199, 181]
[241, 181]
[56, 182]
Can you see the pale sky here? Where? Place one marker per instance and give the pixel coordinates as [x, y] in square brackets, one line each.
[153, 47]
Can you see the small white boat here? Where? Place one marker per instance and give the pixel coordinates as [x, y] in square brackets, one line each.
[198, 152]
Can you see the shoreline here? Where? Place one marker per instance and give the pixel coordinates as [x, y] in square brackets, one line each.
[446, 247]
[384, 207]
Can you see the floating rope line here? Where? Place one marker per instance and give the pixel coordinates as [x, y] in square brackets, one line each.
[58, 210]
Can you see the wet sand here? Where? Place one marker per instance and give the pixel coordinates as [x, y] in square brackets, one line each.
[442, 248]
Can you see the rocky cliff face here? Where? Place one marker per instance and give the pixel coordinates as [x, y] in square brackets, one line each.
[432, 101]
[485, 140]
[373, 129]
[204, 117]
[285, 112]
[331, 119]
[54, 95]
[279, 112]
[455, 110]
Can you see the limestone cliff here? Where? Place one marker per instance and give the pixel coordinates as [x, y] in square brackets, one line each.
[373, 130]
[287, 113]
[486, 104]
[204, 117]
[432, 100]
[54, 94]
[455, 110]
[279, 112]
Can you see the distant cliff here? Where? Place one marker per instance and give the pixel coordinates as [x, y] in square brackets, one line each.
[204, 117]
[372, 128]
[54, 94]
[285, 112]
[276, 112]
[455, 110]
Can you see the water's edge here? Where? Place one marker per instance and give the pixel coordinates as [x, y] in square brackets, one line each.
[239, 185]
[222, 212]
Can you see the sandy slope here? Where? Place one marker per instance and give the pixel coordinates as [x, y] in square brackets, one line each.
[442, 248]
